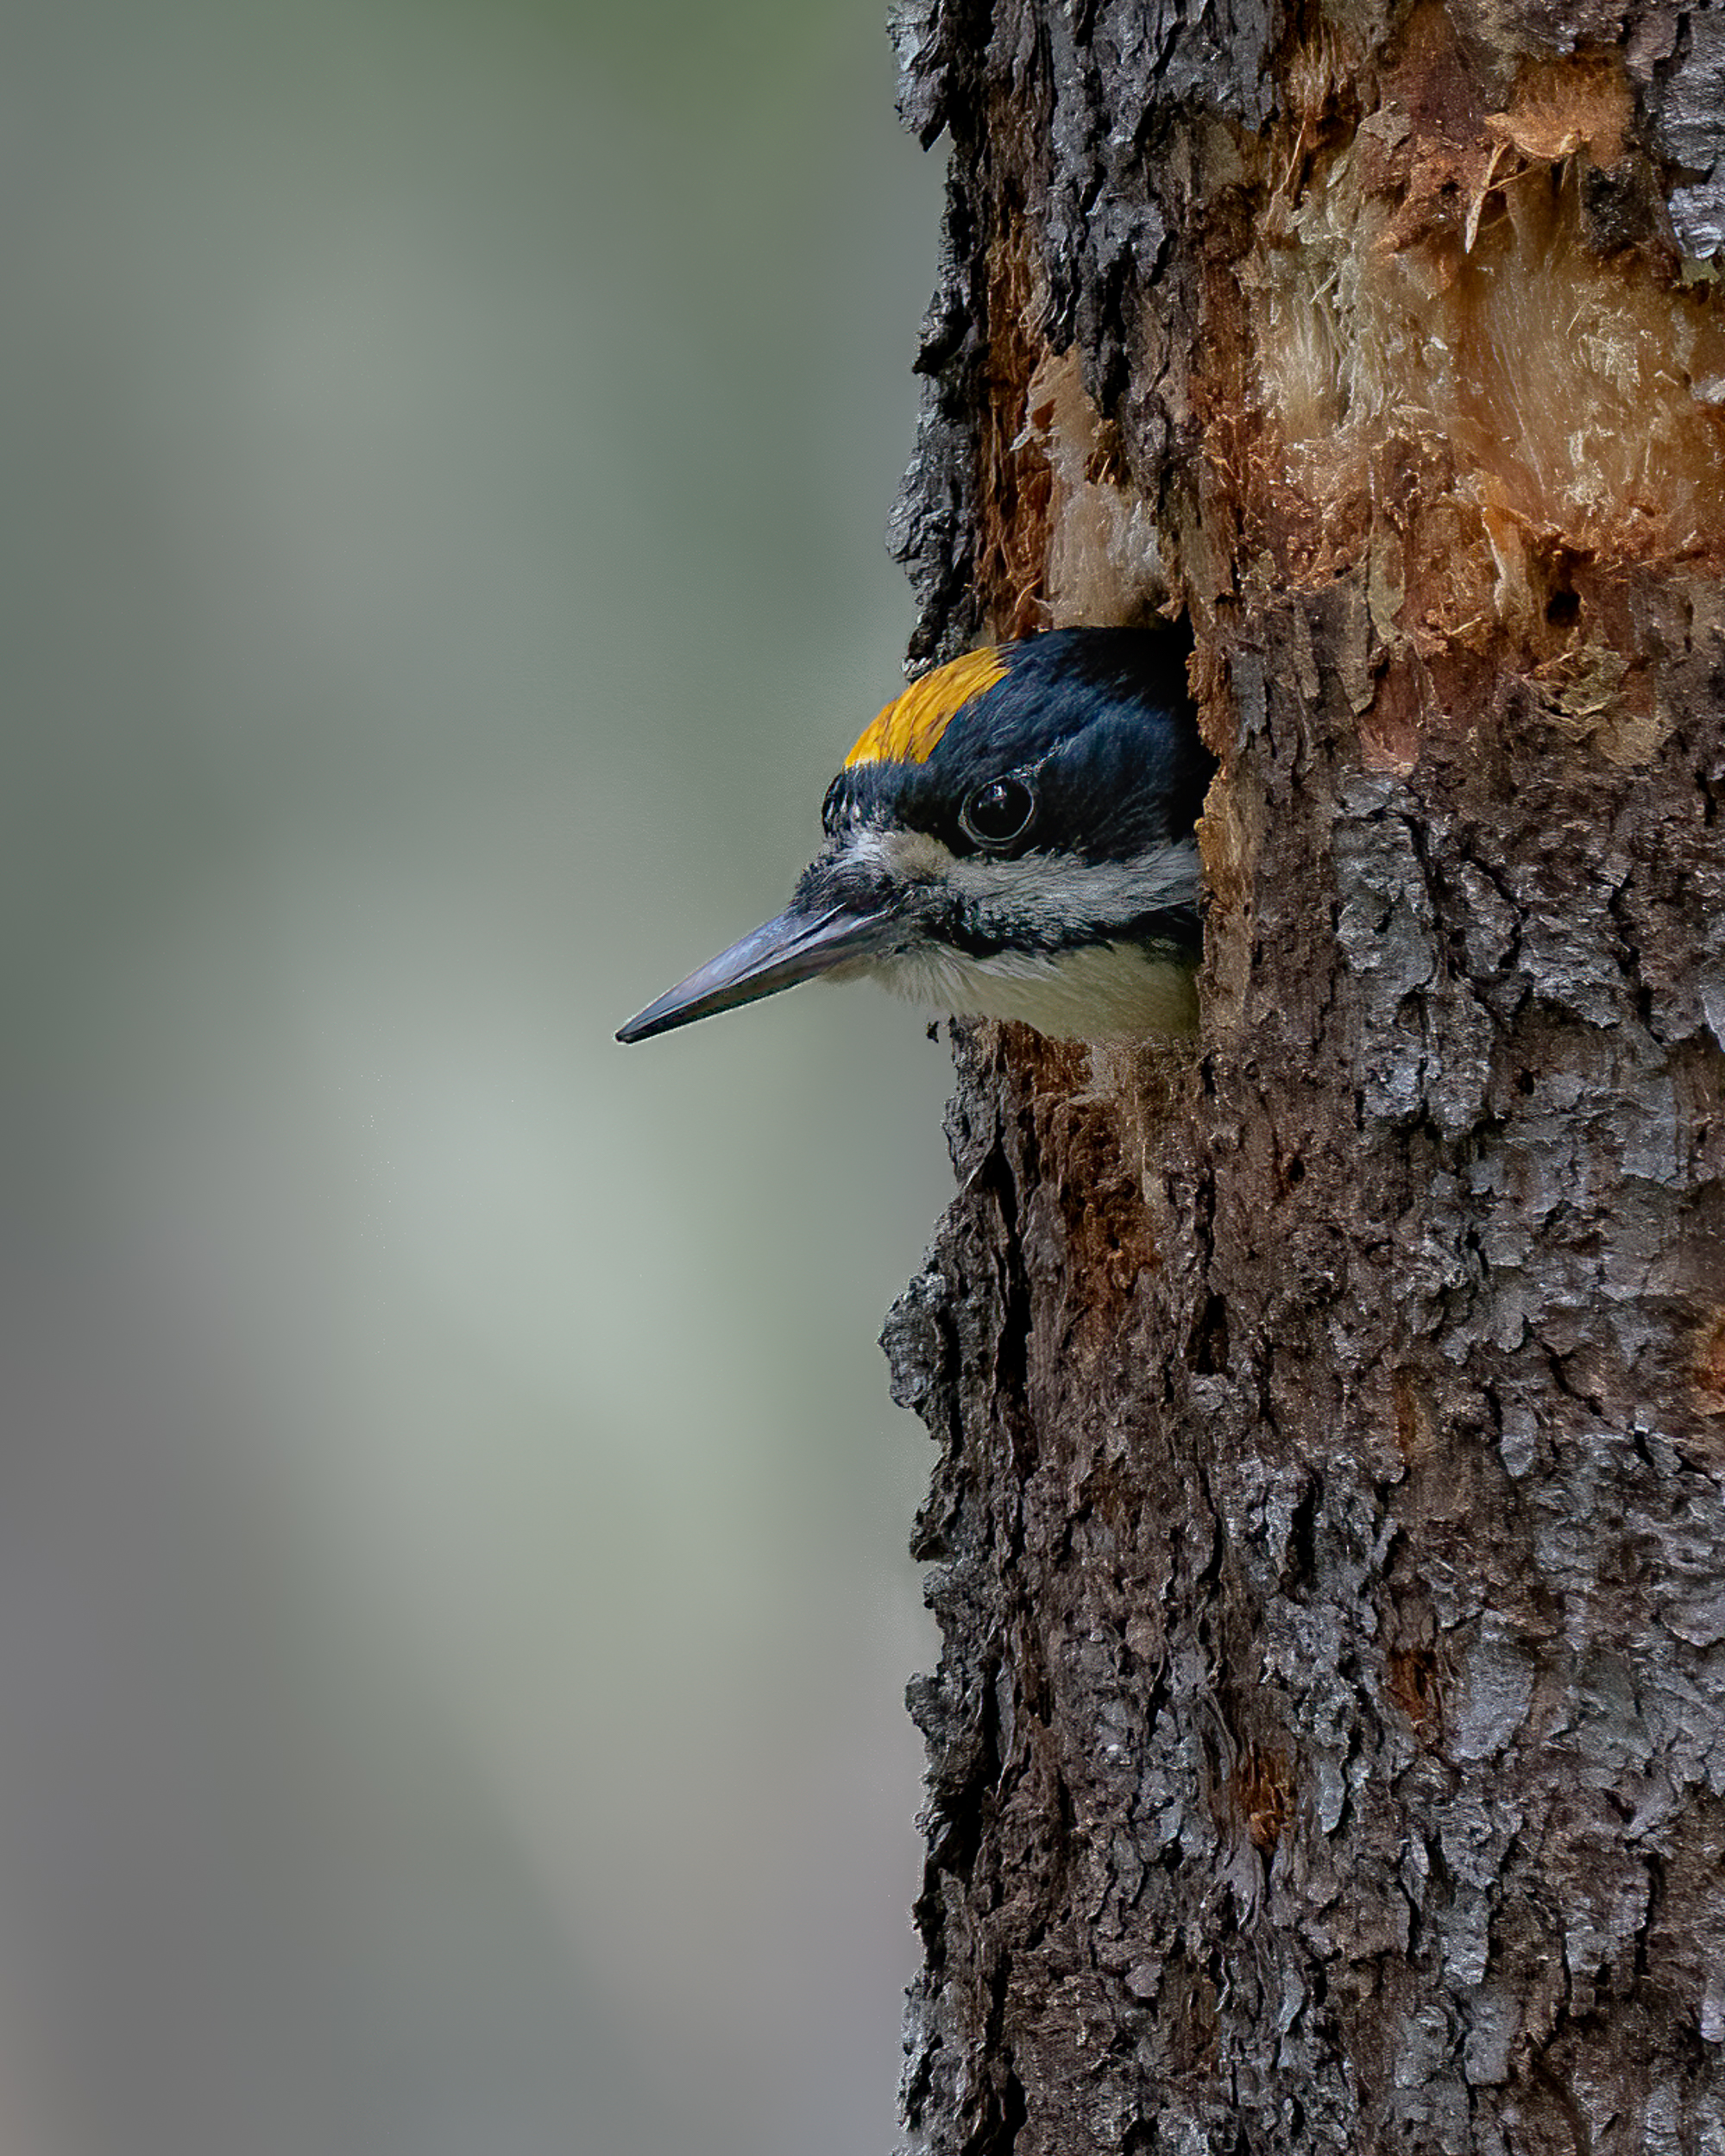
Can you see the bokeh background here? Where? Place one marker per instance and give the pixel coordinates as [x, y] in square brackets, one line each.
[453, 1606]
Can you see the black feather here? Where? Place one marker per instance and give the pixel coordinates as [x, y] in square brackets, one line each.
[1099, 722]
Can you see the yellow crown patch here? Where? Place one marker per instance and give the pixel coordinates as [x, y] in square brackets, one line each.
[909, 729]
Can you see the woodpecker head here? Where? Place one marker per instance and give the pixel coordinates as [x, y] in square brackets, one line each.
[1012, 838]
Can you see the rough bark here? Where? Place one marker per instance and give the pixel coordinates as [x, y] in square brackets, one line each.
[1327, 1750]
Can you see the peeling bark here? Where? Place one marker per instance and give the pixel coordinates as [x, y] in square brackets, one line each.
[1328, 1747]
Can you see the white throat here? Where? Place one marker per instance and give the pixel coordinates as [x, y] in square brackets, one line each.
[1116, 991]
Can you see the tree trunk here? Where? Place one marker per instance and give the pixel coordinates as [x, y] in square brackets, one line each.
[1328, 1747]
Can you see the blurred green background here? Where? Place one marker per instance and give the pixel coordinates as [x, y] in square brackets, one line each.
[453, 1606]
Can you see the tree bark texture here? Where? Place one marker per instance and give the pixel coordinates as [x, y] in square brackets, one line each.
[1327, 1750]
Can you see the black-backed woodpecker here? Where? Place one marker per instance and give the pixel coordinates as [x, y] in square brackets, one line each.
[1012, 838]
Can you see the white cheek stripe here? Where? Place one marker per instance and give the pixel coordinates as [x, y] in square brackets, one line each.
[1098, 890]
[1038, 890]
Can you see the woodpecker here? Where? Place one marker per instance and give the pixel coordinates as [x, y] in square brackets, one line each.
[1012, 838]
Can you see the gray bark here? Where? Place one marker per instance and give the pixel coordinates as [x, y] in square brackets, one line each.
[1327, 1750]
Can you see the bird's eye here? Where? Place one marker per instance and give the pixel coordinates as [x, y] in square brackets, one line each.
[998, 811]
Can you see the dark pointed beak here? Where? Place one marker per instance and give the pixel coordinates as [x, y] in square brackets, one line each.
[794, 947]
